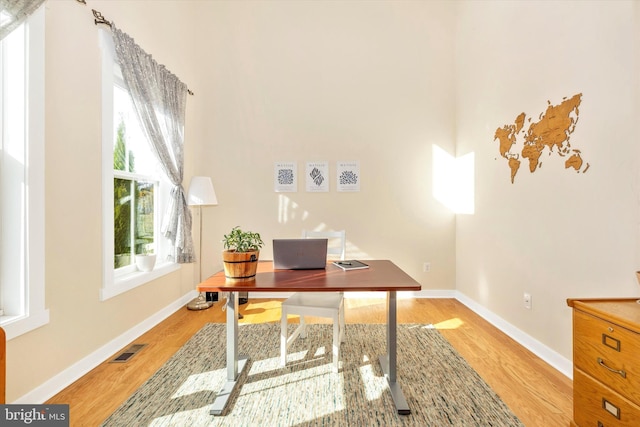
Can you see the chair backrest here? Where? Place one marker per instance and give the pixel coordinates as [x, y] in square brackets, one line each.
[337, 244]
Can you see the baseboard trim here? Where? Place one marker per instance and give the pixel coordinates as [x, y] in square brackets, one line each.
[556, 360]
[65, 378]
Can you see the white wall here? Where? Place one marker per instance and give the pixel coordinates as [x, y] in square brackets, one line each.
[273, 81]
[379, 82]
[554, 233]
[80, 323]
[309, 81]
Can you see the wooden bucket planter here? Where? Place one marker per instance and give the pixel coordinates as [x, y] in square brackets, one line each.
[240, 265]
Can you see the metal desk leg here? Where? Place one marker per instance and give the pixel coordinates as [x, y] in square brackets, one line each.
[389, 361]
[235, 364]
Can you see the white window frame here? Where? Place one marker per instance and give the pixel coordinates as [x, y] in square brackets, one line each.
[33, 312]
[126, 279]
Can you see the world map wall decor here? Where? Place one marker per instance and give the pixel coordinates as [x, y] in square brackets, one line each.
[551, 133]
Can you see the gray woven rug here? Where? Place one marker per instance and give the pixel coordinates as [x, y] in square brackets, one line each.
[440, 387]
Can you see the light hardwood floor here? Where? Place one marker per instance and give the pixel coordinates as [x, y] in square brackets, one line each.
[538, 394]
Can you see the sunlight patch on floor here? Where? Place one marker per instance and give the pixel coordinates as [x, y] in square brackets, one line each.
[453, 323]
[320, 351]
[205, 381]
[374, 385]
[286, 387]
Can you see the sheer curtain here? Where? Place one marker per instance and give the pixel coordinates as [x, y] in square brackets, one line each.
[160, 100]
[14, 12]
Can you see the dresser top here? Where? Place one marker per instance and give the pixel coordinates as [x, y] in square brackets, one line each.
[623, 311]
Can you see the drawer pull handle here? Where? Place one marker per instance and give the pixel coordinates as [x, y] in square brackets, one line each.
[620, 372]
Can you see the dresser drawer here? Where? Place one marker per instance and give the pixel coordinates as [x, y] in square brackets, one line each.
[595, 405]
[607, 352]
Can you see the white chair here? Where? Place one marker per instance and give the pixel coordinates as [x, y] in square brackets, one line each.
[320, 304]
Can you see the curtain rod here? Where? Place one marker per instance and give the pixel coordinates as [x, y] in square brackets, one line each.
[99, 19]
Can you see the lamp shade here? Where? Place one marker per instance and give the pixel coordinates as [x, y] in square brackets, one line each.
[201, 192]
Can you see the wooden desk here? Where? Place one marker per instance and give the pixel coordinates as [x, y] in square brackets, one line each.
[380, 276]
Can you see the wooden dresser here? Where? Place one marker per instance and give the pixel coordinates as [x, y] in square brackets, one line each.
[606, 362]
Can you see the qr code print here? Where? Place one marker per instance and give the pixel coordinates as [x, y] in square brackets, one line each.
[317, 177]
[348, 178]
[285, 176]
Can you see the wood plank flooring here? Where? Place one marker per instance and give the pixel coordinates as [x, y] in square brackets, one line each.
[538, 394]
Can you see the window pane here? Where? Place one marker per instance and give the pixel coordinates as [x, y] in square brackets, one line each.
[122, 222]
[13, 174]
[131, 151]
[14, 92]
[133, 198]
[123, 159]
[144, 218]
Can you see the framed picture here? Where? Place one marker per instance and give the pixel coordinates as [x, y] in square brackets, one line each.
[348, 175]
[317, 177]
[285, 177]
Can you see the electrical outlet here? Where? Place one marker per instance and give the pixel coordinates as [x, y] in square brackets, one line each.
[426, 267]
[527, 300]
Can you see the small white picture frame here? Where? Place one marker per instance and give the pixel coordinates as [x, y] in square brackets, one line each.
[285, 177]
[317, 177]
[348, 175]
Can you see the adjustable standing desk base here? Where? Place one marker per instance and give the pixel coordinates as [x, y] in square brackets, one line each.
[225, 393]
[394, 388]
[235, 362]
[382, 275]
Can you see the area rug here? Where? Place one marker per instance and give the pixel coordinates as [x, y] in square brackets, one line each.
[439, 386]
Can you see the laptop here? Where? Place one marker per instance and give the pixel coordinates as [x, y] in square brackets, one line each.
[299, 254]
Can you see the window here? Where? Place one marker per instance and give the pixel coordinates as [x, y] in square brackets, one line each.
[134, 189]
[134, 186]
[22, 178]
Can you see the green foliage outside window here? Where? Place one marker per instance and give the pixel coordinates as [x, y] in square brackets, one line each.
[122, 199]
[122, 222]
[144, 217]
[120, 151]
[133, 206]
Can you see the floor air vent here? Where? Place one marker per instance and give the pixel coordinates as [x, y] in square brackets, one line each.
[128, 353]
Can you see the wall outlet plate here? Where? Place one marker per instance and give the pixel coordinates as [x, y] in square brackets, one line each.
[527, 300]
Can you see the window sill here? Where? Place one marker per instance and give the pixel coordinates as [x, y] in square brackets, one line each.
[17, 325]
[130, 281]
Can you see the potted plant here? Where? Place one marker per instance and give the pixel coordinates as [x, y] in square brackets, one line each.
[242, 250]
[146, 260]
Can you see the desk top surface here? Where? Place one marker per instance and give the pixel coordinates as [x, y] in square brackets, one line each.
[382, 275]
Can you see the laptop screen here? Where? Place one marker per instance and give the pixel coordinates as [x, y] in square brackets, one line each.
[299, 254]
